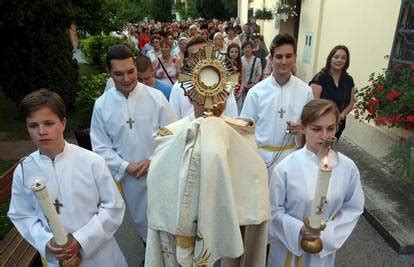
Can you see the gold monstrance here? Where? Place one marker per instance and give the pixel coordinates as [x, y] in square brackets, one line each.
[207, 77]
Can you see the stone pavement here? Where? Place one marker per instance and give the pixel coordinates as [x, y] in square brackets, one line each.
[389, 205]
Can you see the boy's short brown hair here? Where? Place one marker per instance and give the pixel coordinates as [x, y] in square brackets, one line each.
[42, 98]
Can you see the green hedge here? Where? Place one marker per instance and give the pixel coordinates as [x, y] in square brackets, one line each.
[95, 48]
[91, 87]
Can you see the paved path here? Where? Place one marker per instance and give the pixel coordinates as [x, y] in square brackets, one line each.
[365, 247]
[15, 150]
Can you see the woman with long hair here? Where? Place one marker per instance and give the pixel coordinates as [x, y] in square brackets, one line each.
[234, 53]
[218, 41]
[334, 83]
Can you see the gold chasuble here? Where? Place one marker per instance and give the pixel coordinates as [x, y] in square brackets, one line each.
[207, 195]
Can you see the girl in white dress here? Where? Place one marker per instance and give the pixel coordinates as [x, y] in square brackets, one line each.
[292, 188]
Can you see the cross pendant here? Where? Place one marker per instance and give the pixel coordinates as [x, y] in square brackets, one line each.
[281, 112]
[130, 122]
[57, 205]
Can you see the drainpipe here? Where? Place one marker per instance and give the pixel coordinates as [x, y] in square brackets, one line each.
[318, 38]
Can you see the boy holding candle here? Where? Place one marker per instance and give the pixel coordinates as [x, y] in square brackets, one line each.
[79, 183]
[292, 190]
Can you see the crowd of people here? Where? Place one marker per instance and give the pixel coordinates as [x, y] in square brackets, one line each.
[200, 189]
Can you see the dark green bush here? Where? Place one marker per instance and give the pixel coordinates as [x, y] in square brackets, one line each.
[36, 52]
[91, 87]
[95, 48]
[401, 159]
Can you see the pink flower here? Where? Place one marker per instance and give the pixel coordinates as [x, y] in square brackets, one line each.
[391, 95]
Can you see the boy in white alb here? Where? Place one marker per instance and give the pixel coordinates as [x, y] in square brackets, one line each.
[79, 182]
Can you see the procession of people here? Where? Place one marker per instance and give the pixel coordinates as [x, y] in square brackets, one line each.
[250, 180]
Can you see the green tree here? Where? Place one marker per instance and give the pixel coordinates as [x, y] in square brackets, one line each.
[135, 10]
[97, 16]
[223, 9]
[161, 10]
[36, 50]
[187, 12]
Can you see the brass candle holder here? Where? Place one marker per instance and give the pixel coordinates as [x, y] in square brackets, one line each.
[74, 262]
[313, 246]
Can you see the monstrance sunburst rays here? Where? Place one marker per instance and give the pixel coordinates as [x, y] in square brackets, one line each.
[207, 77]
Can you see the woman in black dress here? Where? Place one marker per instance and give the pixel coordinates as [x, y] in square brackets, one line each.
[334, 83]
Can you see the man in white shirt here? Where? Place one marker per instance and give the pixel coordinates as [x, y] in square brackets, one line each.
[124, 120]
[275, 104]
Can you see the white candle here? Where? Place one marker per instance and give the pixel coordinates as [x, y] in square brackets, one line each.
[50, 213]
[321, 191]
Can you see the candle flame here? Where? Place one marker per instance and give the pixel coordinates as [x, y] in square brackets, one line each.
[325, 163]
[37, 184]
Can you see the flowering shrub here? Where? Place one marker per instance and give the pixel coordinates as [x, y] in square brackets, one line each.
[389, 98]
[286, 9]
[263, 14]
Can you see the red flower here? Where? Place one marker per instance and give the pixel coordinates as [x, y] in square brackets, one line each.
[412, 78]
[402, 138]
[380, 88]
[412, 66]
[373, 101]
[391, 95]
[398, 66]
[410, 119]
[397, 118]
[380, 121]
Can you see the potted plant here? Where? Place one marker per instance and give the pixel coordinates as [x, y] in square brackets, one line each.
[389, 98]
[283, 11]
[388, 101]
[263, 14]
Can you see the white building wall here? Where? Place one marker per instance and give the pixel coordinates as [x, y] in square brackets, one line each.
[367, 28]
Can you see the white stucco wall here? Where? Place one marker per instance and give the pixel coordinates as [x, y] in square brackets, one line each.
[367, 28]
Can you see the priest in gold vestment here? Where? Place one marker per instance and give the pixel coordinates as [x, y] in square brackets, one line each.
[207, 193]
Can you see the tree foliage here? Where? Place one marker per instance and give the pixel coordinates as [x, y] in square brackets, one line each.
[36, 51]
[161, 10]
[223, 9]
[135, 11]
[187, 12]
[96, 16]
